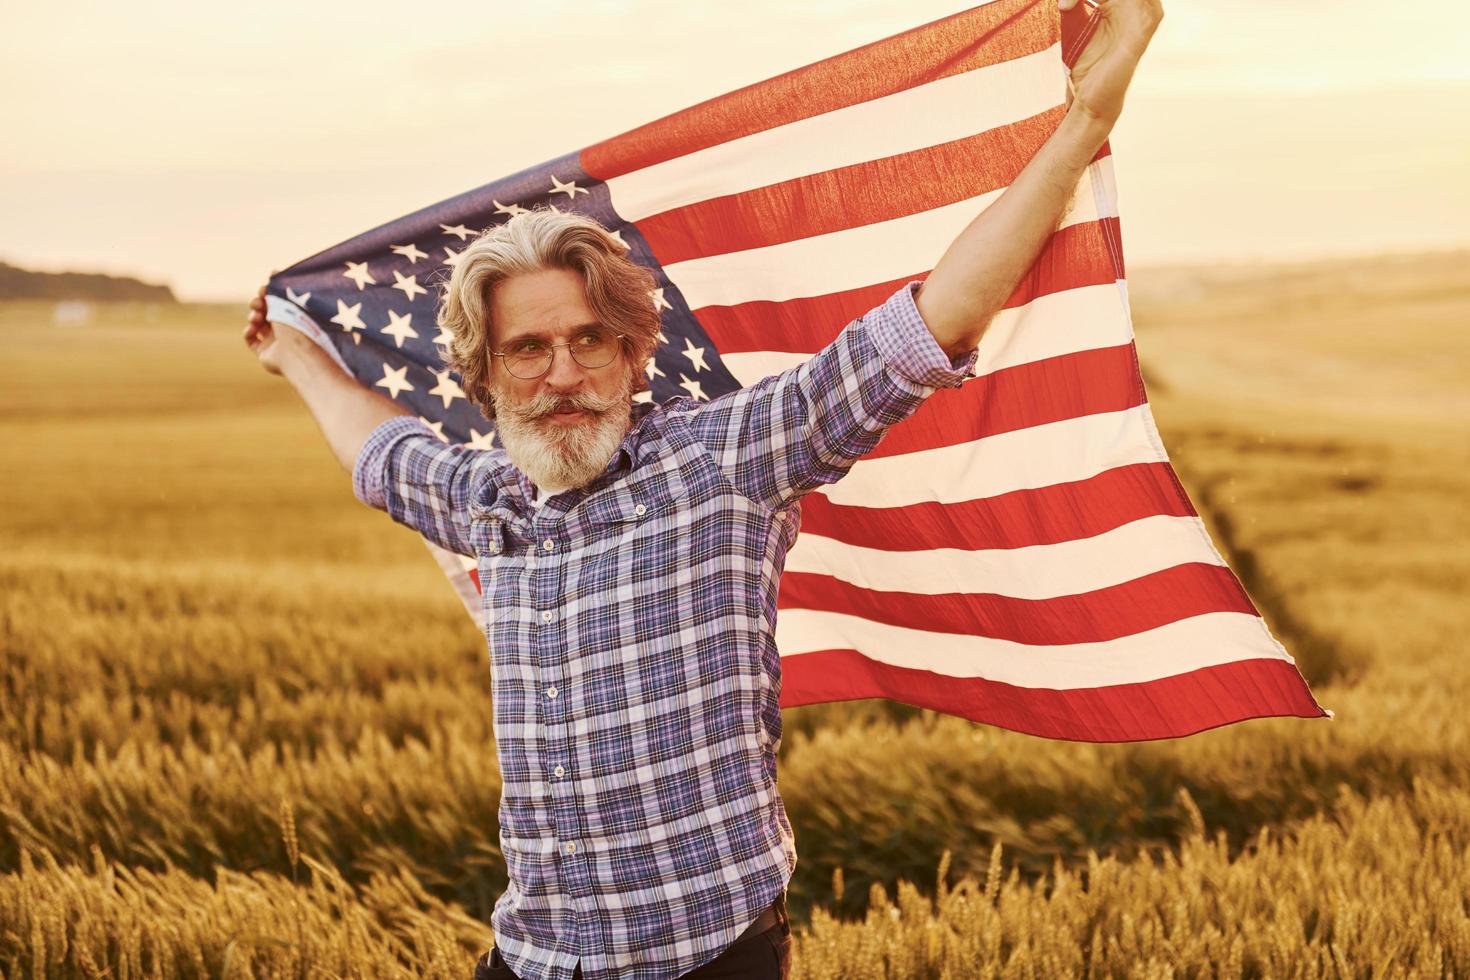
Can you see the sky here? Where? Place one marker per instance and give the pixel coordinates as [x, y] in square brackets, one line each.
[204, 145]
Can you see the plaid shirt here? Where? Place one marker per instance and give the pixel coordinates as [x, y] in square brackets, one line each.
[635, 678]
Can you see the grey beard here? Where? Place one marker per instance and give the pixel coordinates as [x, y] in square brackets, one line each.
[555, 457]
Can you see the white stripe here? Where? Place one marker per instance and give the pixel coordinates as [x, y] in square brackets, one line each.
[749, 367]
[1043, 571]
[846, 259]
[1039, 456]
[278, 310]
[916, 118]
[1165, 651]
[1073, 320]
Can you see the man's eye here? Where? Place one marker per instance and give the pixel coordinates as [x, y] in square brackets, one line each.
[591, 340]
[528, 347]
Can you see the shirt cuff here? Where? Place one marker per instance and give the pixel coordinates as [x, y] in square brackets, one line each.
[370, 469]
[909, 349]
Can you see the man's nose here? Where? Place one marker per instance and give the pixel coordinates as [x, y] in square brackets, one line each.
[565, 373]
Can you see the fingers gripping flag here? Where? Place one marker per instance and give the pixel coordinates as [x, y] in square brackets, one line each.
[1019, 552]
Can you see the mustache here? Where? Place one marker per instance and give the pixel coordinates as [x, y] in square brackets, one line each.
[539, 406]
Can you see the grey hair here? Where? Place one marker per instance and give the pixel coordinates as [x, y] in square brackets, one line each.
[618, 290]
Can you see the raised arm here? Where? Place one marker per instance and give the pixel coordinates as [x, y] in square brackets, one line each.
[398, 465]
[345, 410]
[982, 266]
[790, 433]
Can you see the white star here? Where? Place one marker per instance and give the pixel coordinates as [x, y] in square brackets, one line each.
[443, 336]
[410, 252]
[570, 188]
[358, 273]
[643, 396]
[347, 317]
[510, 209]
[395, 380]
[659, 303]
[695, 355]
[617, 236]
[400, 328]
[478, 441]
[458, 231]
[451, 257]
[408, 284]
[446, 388]
[438, 428]
[298, 298]
[661, 338]
[653, 371]
[693, 387]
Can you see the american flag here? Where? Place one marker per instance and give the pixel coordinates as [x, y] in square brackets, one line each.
[1020, 552]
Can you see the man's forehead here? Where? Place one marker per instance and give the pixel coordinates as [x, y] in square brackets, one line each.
[549, 332]
[542, 304]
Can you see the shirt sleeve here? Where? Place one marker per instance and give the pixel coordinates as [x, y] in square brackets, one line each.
[421, 481]
[803, 428]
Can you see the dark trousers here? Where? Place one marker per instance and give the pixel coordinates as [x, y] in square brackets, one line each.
[764, 956]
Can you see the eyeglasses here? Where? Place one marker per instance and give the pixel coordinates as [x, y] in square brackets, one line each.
[530, 358]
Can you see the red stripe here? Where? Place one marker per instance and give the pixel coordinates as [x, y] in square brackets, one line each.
[804, 325]
[850, 197]
[1145, 603]
[1045, 515]
[1170, 707]
[1078, 26]
[997, 32]
[1075, 256]
[1064, 387]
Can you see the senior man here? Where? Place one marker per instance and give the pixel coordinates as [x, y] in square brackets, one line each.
[630, 554]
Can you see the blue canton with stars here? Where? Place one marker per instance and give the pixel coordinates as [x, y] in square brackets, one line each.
[375, 296]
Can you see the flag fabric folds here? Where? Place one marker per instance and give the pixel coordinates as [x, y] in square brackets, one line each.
[1020, 552]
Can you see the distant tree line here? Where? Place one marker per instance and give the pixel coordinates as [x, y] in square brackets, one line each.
[17, 283]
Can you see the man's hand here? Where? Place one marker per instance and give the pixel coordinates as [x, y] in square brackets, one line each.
[273, 347]
[1103, 70]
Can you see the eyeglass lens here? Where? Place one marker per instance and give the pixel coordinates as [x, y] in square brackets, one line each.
[532, 358]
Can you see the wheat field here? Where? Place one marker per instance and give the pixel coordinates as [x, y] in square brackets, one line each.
[244, 723]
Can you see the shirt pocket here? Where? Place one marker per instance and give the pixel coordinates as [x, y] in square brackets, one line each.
[487, 534]
[624, 506]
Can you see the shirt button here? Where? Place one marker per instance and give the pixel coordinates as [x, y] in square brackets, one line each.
[551, 691]
[640, 510]
[570, 847]
[560, 771]
[547, 545]
[546, 616]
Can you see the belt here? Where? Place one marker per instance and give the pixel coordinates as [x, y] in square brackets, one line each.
[773, 915]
